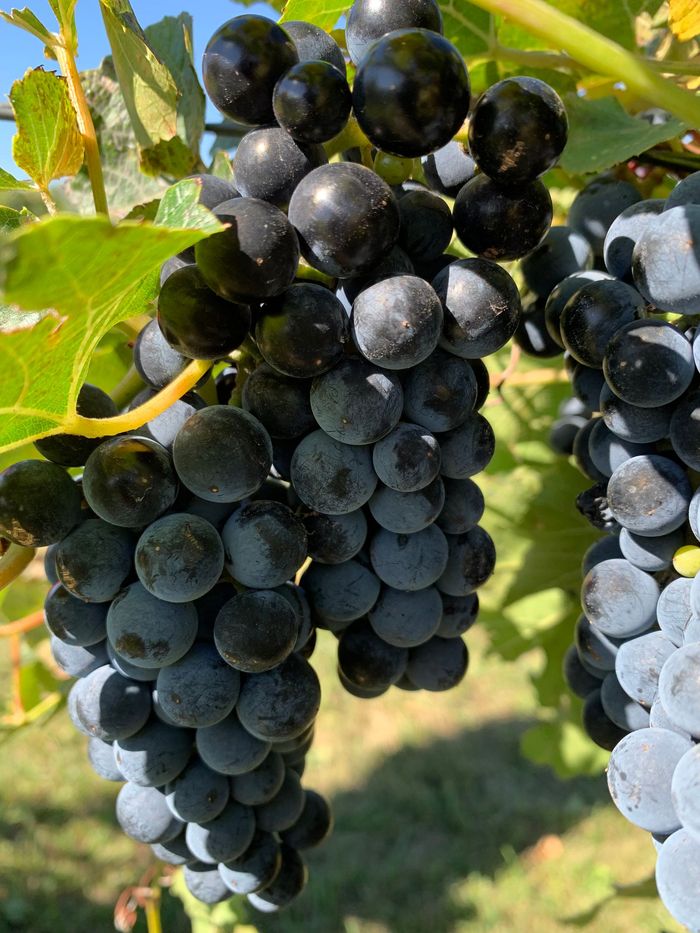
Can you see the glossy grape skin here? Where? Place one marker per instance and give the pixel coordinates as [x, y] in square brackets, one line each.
[256, 631]
[237, 459]
[440, 393]
[665, 264]
[147, 631]
[624, 233]
[346, 218]
[242, 63]
[638, 665]
[129, 481]
[71, 450]
[303, 333]
[467, 449]
[341, 593]
[282, 703]
[256, 868]
[596, 207]
[357, 403]
[448, 169]
[198, 690]
[619, 599]
[677, 877]
[312, 101]
[407, 619]
[408, 458]
[649, 363]
[367, 660]
[481, 304]
[631, 423]
[411, 113]
[685, 429]
[650, 495]
[517, 130]
[426, 225]
[332, 477]
[396, 262]
[437, 665]
[287, 885]
[94, 560]
[279, 403]
[144, 815]
[255, 258]
[532, 335]
[39, 503]
[369, 20]
[314, 44]
[608, 452]
[269, 164]
[195, 321]
[155, 360]
[265, 544]
[560, 295]
[587, 384]
[410, 562]
[563, 252]
[639, 778]
[594, 314]
[500, 223]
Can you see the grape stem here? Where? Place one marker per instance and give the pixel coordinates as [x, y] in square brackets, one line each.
[129, 386]
[597, 53]
[15, 560]
[22, 626]
[137, 417]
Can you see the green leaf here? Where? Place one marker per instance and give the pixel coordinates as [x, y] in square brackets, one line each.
[126, 186]
[149, 90]
[26, 20]
[468, 27]
[48, 143]
[171, 39]
[64, 11]
[564, 746]
[323, 13]
[9, 183]
[602, 134]
[221, 166]
[107, 274]
[9, 220]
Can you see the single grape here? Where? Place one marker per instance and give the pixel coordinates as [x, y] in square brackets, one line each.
[596, 650]
[594, 314]
[281, 703]
[449, 168]
[651, 554]
[223, 838]
[665, 264]
[284, 809]
[197, 794]
[677, 877]
[471, 561]
[578, 679]
[334, 539]
[410, 562]
[279, 403]
[467, 449]
[149, 632]
[179, 558]
[406, 620]
[269, 164]
[109, 706]
[674, 610]
[174, 852]
[624, 233]
[200, 689]
[265, 544]
[685, 429]
[314, 44]
[314, 825]
[229, 748]
[459, 613]
[256, 631]
[341, 592]
[256, 868]
[367, 660]
[631, 423]
[649, 495]
[619, 599]
[426, 225]
[532, 335]
[558, 297]
[204, 883]
[154, 359]
[39, 503]
[332, 477]
[312, 101]
[288, 884]
[439, 664]
[596, 207]
[78, 661]
[72, 620]
[407, 512]
[144, 815]
[155, 755]
[463, 506]
[261, 784]
[638, 665]
[608, 451]
[562, 253]
[597, 724]
[101, 758]
[369, 20]
[678, 688]
[440, 393]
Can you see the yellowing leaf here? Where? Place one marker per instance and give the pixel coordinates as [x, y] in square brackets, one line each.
[48, 143]
[91, 275]
[684, 18]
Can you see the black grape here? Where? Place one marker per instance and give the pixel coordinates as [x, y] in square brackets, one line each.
[129, 481]
[155, 755]
[256, 868]
[332, 477]
[651, 554]
[165, 427]
[502, 223]
[147, 631]
[288, 884]
[265, 544]
[144, 815]
[598, 205]
[625, 231]
[638, 665]
[223, 838]
[459, 613]
[597, 724]
[440, 393]
[411, 112]
[467, 449]
[312, 101]
[179, 558]
[577, 678]
[407, 512]
[649, 495]
[561, 253]
[357, 403]
[284, 809]
[304, 332]
[212, 192]
[408, 458]
[407, 619]
[269, 164]
[426, 225]
[126, 669]
[587, 383]
[684, 790]
[71, 450]
[204, 882]
[314, 44]
[673, 610]
[449, 168]
[110, 707]
[279, 403]
[101, 758]
[665, 282]
[409, 562]
[255, 258]
[639, 778]
[594, 314]
[200, 689]
[608, 451]
[678, 688]
[222, 454]
[596, 650]
[78, 661]
[174, 852]
[685, 429]
[314, 824]
[619, 599]
[687, 191]
[341, 592]
[397, 323]
[557, 299]
[481, 304]
[649, 363]
[463, 506]
[369, 20]
[261, 784]
[155, 360]
[281, 703]
[334, 539]
[242, 63]
[256, 631]
[631, 423]
[195, 321]
[346, 217]
[39, 503]
[229, 748]
[532, 335]
[676, 876]
[471, 561]
[439, 664]
[620, 708]
[367, 660]
[197, 794]
[72, 620]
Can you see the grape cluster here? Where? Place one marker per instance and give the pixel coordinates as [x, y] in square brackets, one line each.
[326, 481]
[633, 429]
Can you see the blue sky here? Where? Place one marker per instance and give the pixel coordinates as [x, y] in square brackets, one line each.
[19, 50]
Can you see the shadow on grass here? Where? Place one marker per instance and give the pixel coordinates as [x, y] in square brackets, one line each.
[426, 818]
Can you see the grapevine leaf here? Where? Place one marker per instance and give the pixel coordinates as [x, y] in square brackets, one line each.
[564, 746]
[9, 183]
[64, 11]
[48, 143]
[602, 133]
[107, 274]
[468, 27]
[221, 167]
[171, 39]
[26, 20]
[10, 220]
[323, 13]
[684, 19]
[149, 90]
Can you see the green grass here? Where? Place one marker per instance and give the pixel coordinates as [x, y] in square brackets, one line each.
[441, 826]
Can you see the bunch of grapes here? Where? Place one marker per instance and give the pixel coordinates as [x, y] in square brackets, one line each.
[331, 485]
[633, 427]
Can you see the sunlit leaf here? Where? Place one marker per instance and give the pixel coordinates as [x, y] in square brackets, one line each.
[684, 18]
[323, 13]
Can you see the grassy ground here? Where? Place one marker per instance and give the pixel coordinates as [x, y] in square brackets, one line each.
[441, 826]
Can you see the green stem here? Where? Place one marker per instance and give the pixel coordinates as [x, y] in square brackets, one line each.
[667, 159]
[597, 53]
[557, 60]
[130, 385]
[13, 562]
